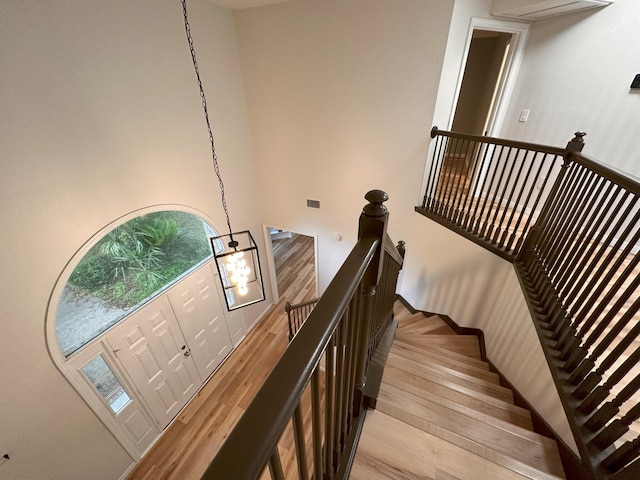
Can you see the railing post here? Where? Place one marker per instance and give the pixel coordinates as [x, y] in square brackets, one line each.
[576, 144]
[373, 223]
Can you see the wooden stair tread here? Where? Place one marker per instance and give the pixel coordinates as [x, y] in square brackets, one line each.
[421, 325]
[428, 357]
[483, 403]
[425, 400]
[466, 345]
[442, 377]
[411, 319]
[442, 353]
[392, 449]
[402, 360]
[523, 455]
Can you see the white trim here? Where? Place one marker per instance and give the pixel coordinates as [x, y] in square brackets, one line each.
[520, 32]
[67, 365]
[271, 262]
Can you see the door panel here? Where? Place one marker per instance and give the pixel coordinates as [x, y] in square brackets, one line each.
[151, 348]
[197, 306]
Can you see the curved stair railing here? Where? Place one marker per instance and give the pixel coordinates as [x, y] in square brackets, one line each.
[319, 383]
[571, 226]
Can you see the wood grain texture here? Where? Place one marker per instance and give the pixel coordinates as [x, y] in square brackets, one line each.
[193, 438]
[441, 414]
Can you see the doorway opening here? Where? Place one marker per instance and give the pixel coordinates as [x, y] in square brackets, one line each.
[488, 73]
[293, 262]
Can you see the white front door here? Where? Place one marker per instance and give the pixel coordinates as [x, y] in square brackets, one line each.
[154, 353]
[200, 313]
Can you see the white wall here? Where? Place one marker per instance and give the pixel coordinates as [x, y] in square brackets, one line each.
[100, 116]
[445, 273]
[341, 96]
[575, 76]
[448, 274]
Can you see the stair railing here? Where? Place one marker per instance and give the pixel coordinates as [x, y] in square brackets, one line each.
[571, 226]
[488, 189]
[297, 314]
[321, 377]
[580, 271]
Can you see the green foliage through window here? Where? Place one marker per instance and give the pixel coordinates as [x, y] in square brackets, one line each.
[125, 268]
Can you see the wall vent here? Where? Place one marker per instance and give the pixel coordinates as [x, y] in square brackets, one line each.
[313, 203]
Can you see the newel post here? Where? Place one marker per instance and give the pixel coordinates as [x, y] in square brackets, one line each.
[576, 144]
[373, 223]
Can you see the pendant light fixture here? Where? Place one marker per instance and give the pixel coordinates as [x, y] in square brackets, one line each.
[236, 254]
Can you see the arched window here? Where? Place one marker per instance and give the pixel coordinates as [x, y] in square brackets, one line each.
[126, 268]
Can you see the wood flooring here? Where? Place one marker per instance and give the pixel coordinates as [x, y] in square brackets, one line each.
[189, 443]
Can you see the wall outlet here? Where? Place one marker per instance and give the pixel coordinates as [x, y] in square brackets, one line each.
[524, 116]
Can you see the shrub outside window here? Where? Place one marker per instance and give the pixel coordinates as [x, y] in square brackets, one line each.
[125, 269]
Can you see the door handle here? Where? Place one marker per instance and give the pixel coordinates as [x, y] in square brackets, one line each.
[187, 353]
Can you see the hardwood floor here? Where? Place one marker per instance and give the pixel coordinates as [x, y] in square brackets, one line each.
[194, 437]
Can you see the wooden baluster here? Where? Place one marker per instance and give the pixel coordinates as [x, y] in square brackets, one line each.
[617, 428]
[552, 219]
[461, 182]
[614, 292]
[496, 167]
[316, 423]
[595, 377]
[579, 241]
[624, 455]
[476, 166]
[434, 174]
[495, 202]
[441, 181]
[507, 205]
[599, 228]
[301, 448]
[541, 192]
[525, 205]
[451, 176]
[338, 440]
[329, 405]
[275, 466]
[565, 228]
[610, 409]
[477, 218]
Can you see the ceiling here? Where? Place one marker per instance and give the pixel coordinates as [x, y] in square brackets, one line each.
[241, 4]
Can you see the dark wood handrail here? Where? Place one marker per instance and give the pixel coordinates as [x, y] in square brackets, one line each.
[435, 131]
[250, 445]
[491, 190]
[628, 182]
[392, 250]
[578, 268]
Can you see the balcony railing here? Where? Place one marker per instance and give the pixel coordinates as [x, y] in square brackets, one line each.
[572, 228]
[489, 189]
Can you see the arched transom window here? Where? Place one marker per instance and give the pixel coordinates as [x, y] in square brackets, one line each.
[126, 268]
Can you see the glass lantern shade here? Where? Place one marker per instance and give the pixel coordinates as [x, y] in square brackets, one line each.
[238, 265]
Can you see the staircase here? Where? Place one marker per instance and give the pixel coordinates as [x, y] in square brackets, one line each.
[442, 415]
